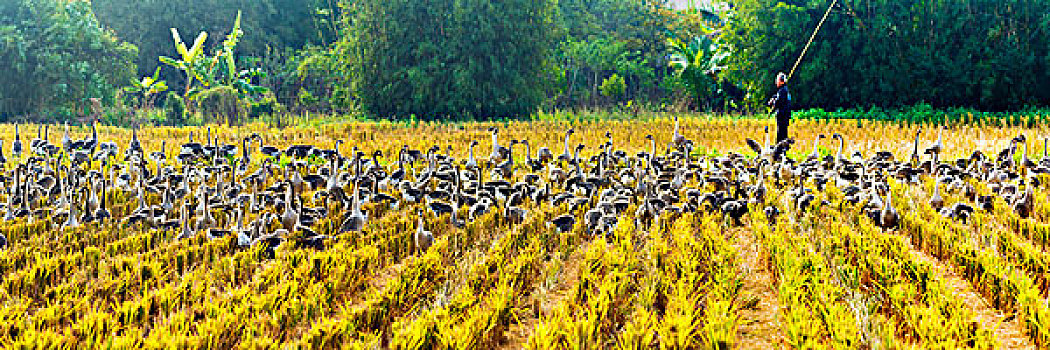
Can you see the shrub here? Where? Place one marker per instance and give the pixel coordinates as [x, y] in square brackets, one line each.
[221, 104]
[614, 87]
[174, 109]
[266, 106]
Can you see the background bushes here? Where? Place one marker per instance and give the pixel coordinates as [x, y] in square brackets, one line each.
[986, 54]
[222, 104]
[55, 55]
[486, 59]
[449, 59]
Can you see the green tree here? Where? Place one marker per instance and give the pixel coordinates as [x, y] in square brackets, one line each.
[273, 24]
[989, 54]
[440, 59]
[622, 37]
[55, 55]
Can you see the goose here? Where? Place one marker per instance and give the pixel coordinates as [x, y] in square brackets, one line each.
[1045, 162]
[92, 204]
[506, 168]
[294, 178]
[677, 140]
[334, 179]
[915, 150]
[243, 233]
[961, 211]
[771, 212]
[514, 214]
[839, 158]
[34, 144]
[206, 221]
[290, 217]
[399, 175]
[652, 147]
[422, 238]
[936, 201]
[563, 223]
[88, 145]
[16, 147]
[757, 192]
[269, 151]
[357, 219]
[735, 209]
[374, 166]
[1026, 164]
[544, 155]
[471, 163]
[67, 143]
[803, 197]
[1024, 203]
[498, 151]
[534, 164]
[763, 152]
[566, 155]
[184, 218]
[71, 219]
[935, 148]
[889, 217]
[12, 194]
[815, 155]
[134, 146]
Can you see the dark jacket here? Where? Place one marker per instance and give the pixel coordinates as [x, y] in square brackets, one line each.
[781, 101]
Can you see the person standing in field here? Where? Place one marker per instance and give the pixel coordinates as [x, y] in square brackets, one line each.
[781, 102]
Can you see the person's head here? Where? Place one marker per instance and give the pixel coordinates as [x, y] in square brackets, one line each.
[782, 79]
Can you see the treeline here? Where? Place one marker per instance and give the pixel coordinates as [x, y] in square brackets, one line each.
[986, 54]
[483, 59]
[55, 55]
[470, 59]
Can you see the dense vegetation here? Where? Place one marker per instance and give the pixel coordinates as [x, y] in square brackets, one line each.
[988, 54]
[276, 28]
[54, 56]
[447, 59]
[485, 59]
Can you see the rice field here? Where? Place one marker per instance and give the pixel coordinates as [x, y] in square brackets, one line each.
[658, 233]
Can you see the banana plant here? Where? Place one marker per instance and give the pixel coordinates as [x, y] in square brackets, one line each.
[217, 69]
[695, 61]
[190, 59]
[148, 88]
[225, 55]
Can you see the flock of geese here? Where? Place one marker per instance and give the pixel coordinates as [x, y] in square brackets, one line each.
[59, 182]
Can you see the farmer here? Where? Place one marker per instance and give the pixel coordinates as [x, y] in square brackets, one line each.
[781, 102]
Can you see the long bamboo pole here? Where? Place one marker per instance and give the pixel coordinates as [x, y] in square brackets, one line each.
[811, 37]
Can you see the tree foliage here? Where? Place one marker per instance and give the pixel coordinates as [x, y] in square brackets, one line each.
[55, 55]
[273, 24]
[990, 54]
[696, 62]
[459, 58]
[628, 38]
